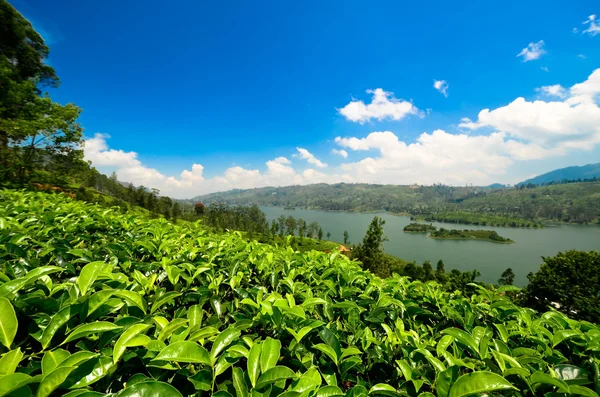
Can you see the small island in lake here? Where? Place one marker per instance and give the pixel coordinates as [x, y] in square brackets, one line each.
[485, 235]
[419, 228]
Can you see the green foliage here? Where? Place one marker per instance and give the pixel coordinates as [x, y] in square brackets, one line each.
[485, 235]
[370, 251]
[419, 228]
[570, 281]
[95, 301]
[474, 218]
[512, 207]
[507, 277]
[36, 134]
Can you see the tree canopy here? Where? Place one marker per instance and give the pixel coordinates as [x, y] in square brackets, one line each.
[570, 282]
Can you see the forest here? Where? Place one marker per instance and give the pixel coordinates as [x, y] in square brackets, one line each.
[520, 206]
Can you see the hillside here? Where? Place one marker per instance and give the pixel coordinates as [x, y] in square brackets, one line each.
[98, 301]
[574, 202]
[573, 173]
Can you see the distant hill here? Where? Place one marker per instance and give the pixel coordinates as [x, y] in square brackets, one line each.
[572, 202]
[497, 186]
[570, 173]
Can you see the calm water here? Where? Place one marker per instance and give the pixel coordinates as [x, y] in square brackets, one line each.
[490, 259]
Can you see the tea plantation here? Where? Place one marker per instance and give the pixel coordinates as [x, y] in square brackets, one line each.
[99, 302]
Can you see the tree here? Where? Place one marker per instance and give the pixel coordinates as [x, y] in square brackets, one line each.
[50, 140]
[313, 229]
[346, 237]
[199, 208]
[301, 228]
[290, 224]
[507, 277]
[176, 211]
[458, 281]
[281, 221]
[274, 228]
[427, 273]
[22, 74]
[320, 234]
[370, 251]
[440, 272]
[328, 235]
[570, 282]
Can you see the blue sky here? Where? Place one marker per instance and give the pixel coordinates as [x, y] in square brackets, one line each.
[237, 87]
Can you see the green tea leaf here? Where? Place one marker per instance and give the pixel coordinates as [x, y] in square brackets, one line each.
[564, 334]
[383, 389]
[185, 352]
[254, 363]
[269, 355]
[126, 337]
[329, 391]
[9, 288]
[540, 377]
[53, 380]
[8, 322]
[273, 375]
[84, 330]
[224, 339]
[241, 389]
[479, 382]
[463, 338]
[10, 361]
[52, 359]
[164, 299]
[150, 389]
[89, 274]
[12, 382]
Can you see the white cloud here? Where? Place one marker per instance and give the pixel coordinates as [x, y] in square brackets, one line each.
[588, 91]
[581, 56]
[192, 182]
[282, 160]
[340, 152]
[308, 156]
[556, 90]
[129, 168]
[96, 150]
[545, 68]
[441, 86]
[435, 157]
[555, 126]
[383, 106]
[533, 51]
[594, 27]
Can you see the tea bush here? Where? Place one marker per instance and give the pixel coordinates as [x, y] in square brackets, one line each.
[95, 302]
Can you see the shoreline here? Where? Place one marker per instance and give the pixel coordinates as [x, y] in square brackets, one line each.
[472, 238]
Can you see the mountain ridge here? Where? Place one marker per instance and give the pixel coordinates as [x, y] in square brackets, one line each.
[571, 173]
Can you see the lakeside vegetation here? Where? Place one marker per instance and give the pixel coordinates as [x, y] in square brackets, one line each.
[484, 235]
[521, 206]
[470, 218]
[419, 228]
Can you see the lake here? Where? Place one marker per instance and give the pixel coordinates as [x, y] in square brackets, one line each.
[490, 259]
